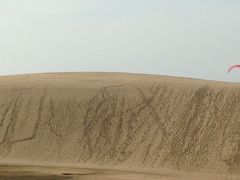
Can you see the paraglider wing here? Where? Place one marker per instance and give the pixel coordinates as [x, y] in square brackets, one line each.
[233, 67]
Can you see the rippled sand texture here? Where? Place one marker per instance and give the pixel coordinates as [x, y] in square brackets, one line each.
[120, 120]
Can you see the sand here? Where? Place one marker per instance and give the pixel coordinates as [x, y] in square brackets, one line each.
[134, 126]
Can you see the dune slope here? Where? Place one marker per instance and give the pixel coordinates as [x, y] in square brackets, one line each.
[127, 120]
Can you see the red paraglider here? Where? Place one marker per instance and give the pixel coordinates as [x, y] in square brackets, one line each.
[233, 67]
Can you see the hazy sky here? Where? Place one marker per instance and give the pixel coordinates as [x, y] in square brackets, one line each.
[193, 38]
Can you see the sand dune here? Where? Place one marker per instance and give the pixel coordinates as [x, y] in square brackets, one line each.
[120, 120]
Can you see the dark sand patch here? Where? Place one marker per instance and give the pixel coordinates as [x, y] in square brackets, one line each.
[34, 178]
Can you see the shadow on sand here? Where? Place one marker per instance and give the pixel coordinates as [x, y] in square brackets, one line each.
[35, 178]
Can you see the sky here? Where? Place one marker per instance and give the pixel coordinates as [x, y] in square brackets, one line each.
[187, 38]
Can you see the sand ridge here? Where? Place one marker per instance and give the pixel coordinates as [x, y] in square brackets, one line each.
[121, 120]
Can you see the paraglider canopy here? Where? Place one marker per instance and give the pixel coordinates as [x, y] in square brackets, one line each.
[233, 67]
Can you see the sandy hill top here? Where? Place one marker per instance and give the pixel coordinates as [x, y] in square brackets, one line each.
[120, 120]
